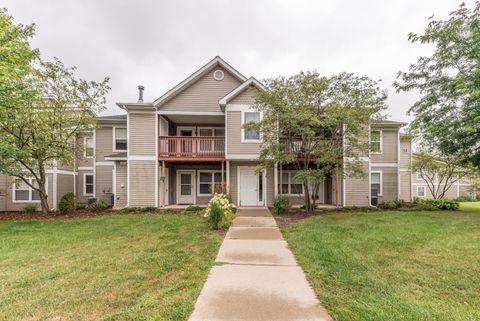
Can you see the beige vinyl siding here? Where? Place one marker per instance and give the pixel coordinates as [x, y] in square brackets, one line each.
[142, 183]
[121, 185]
[81, 159]
[18, 206]
[103, 143]
[234, 136]
[405, 186]
[389, 147]
[405, 154]
[389, 183]
[3, 192]
[142, 136]
[356, 192]
[104, 182]
[202, 95]
[270, 187]
[246, 97]
[65, 184]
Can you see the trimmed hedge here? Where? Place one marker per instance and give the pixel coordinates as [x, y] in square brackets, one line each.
[441, 204]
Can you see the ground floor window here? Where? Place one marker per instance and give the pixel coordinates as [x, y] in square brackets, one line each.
[290, 185]
[421, 191]
[88, 184]
[22, 192]
[376, 183]
[209, 182]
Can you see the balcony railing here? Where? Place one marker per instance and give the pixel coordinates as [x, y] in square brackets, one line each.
[193, 148]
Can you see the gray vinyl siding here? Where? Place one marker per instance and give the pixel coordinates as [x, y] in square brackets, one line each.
[65, 184]
[389, 147]
[203, 95]
[389, 183]
[405, 186]
[234, 143]
[121, 185]
[356, 192]
[104, 182]
[142, 183]
[103, 143]
[142, 136]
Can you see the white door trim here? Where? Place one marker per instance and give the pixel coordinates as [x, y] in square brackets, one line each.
[194, 192]
[264, 182]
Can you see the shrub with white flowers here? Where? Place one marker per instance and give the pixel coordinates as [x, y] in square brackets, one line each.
[223, 202]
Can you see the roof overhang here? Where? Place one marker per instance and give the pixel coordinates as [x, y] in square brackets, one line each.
[234, 93]
[136, 106]
[217, 61]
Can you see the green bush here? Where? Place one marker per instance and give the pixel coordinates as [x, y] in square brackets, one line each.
[30, 208]
[194, 208]
[149, 209]
[280, 204]
[67, 203]
[468, 198]
[215, 216]
[99, 205]
[441, 203]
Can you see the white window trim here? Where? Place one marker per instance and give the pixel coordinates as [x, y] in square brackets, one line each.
[419, 178]
[381, 181]
[115, 140]
[212, 172]
[289, 193]
[85, 147]
[243, 140]
[29, 192]
[381, 141]
[85, 185]
[424, 190]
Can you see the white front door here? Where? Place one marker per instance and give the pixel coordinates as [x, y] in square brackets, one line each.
[185, 187]
[251, 187]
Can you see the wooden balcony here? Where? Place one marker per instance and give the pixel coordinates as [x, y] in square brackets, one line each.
[191, 148]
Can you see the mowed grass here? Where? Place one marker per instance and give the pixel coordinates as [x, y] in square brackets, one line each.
[129, 267]
[393, 265]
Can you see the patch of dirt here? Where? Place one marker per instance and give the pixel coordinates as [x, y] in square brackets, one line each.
[295, 214]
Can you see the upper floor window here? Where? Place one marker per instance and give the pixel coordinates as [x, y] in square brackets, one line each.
[120, 139]
[376, 141]
[89, 145]
[420, 176]
[211, 144]
[250, 134]
[290, 185]
[22, 192]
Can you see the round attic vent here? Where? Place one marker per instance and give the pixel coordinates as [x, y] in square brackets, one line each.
[218, 75]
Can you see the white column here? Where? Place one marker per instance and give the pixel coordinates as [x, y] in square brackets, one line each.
[275, 180]
[227, 176]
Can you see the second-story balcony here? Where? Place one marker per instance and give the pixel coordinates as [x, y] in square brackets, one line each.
[191, 148]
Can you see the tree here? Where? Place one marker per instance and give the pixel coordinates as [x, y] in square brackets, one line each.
[439, 173]
[312, 122]
[48, 108]
[447, 115]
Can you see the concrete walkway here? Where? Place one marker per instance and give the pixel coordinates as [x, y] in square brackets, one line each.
[259, 280]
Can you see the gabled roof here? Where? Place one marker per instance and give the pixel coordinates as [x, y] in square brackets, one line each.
[113, 117]
[217, 61]
[234, 93]
[388, 122]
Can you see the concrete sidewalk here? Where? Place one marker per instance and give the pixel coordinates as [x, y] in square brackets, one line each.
[260, 279]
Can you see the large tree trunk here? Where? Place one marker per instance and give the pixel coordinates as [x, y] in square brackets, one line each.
[42, 191]
[308, 203]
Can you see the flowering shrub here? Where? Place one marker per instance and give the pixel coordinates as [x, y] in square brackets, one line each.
[219, 211]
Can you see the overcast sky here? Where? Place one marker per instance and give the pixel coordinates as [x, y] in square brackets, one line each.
[159, 43]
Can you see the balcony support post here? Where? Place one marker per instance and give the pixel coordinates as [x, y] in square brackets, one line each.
[281, 176]
[163, 183]
[275, 180]
[223, 178]
[228, 176]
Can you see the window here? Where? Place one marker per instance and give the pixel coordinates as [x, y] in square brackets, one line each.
[376, 141]
[251, 134]
[88, 184]
[22, 192]
[420, 176]
[210, 144]
[290, 185]
[88, 145]
[376, 183]
[120, 139]
[420, 191]
[209, 182]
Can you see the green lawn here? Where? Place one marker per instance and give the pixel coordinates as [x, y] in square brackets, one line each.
[111, 267]
[393, 265]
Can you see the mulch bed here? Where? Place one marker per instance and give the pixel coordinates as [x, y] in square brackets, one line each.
[17, 216]
[294, 214]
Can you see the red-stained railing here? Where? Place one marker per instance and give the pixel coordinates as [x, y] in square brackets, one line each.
[191, 148]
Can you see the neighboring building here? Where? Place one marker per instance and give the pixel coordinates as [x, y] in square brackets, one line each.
[189, 142]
